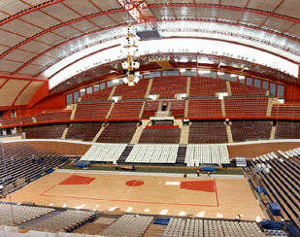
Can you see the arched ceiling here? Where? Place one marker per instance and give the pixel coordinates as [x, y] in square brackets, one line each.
[35, 34]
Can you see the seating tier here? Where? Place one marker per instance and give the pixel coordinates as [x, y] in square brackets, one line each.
[205, 108]
[250, 130]
[126, 110]
[207, 132]
[288, 130]
[99, 95]
[167, 87]
[241, 89]
[53, 115]
[246, 106]
[118, 132]
[164, 135]
[92, 110]
[83, 131]
[206, 87]
[129, 92]
[45, 131]
[287, 111]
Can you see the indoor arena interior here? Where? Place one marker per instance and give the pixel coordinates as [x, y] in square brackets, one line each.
[149, 118]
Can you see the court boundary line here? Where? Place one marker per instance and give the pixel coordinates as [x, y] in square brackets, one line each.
[134, 201]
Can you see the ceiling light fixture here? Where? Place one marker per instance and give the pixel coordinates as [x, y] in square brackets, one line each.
[131, 64]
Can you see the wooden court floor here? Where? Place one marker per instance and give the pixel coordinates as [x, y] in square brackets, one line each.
[224, 198]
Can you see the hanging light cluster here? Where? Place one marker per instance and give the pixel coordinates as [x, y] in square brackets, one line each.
[131, 64]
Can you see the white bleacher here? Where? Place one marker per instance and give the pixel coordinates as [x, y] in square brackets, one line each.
[128, 225]
[297, 151]
[107, 152]
[153, 153]
[13, 214]
[60, 222]
[175, 227]
[283, 154]
[202, 227]
[206, 154]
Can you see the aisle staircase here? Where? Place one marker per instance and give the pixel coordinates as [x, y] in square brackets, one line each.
[104, 125]
[110, 109]
[270, 106]
[155, 230]
[148, 88]
[125, 154]
[273, 132]
[184, 135]
[64, 135]
[228, 86]
[138, 132]
[229, 133]
[112, 93]
[188, 86]
[186, 109]
[181, 155]
[142, 110]
[223, 108]
[73, 111]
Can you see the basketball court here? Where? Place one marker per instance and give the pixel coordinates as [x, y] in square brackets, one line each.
[202, 197]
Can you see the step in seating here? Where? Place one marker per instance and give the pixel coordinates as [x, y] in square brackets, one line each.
[211, 227]
[83, 131]
[151, 153]
[12, 214]
[115, 132]
[104, 152]
[206, 154]
[128, 225]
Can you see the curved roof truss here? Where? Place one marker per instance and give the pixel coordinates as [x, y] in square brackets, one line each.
[37, 35]
[240, 45]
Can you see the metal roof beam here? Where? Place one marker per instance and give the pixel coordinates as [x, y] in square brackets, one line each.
[10, 77]
[195, 5]
[3, 84]
[149, 7]
[61, 44]
[57, 27]
[278, 5]
[32, 9]
[20, 93]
